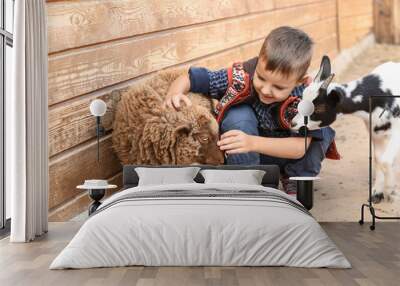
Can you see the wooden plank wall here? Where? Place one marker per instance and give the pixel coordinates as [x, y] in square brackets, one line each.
[387, 21]
[355, 21]
[100, 46]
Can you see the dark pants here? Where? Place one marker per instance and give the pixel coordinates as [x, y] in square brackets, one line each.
[242, 117]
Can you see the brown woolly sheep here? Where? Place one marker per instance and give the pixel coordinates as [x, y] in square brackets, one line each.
[145, 132]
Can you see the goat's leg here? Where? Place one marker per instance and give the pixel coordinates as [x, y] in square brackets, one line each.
[386, 162]
[379, 184]
[395, 193]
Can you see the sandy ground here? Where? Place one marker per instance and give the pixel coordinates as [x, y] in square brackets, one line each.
[344, 184]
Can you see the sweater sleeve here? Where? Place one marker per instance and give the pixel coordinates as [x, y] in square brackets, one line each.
[315, 134]
[212, 83]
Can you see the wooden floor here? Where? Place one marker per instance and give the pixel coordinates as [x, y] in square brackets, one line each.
[374, 255]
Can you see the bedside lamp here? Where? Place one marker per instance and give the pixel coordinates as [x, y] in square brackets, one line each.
[97, 188]
[305, 193]
[98, 108]
[305, 109]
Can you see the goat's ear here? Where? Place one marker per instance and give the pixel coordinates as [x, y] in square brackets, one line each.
[335, 96]
[324, 70]
[327, 81]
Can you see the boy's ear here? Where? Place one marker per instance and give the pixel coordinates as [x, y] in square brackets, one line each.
[306, 80]
[324, 70]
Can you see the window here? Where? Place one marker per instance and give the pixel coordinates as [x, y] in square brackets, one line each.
[6, 44]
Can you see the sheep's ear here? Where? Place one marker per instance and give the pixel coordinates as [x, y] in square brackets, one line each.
[203, 120]
[324, 70]
[184, 129]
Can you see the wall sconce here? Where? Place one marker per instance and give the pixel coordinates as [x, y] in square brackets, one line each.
[98, 108]
[305, 109]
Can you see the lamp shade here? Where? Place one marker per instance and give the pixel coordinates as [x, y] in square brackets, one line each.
[305, 107]
[98, 107]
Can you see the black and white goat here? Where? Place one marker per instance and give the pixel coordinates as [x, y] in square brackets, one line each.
[332, 99]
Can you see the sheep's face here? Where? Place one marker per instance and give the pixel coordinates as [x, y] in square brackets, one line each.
[196, 143]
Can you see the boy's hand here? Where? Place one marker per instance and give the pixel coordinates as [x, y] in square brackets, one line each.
[175, 101]
[236, 141]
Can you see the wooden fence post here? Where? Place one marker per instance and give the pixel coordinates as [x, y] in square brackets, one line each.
[396, 11]
[387, 21]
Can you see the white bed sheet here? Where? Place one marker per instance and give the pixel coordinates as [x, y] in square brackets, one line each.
[194, 231]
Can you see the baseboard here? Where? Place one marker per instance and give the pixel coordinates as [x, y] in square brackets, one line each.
[5, 231]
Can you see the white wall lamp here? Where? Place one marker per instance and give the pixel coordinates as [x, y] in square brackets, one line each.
[305, 109]
[97, 188]
[98, 108]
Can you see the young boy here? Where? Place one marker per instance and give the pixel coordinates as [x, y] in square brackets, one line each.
[250, 132]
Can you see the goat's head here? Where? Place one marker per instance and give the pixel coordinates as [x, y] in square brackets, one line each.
[325, 102]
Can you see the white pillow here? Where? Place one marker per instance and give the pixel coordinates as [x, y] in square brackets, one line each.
[249, 177]
[162, 176]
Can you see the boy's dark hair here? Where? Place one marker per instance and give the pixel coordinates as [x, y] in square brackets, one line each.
[287, 50]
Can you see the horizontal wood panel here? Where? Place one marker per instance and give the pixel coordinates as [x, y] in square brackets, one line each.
[81, 23]
[292, 3]
[320, 30]
[348, 8]
[315, 64]
[347, 41]
[353, 29]
[77, 165]
[327, 46]
[355, 21]
[78, 72]
[72, 124]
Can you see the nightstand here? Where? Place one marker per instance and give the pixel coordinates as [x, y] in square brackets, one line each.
[305, 190]
[96, 190]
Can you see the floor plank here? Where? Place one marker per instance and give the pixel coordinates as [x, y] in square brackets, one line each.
[375, 257]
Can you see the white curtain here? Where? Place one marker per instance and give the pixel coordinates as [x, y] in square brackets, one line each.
[26, 124]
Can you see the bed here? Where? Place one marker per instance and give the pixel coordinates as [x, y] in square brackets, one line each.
[201, 224]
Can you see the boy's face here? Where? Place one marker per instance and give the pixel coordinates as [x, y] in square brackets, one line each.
[273, 86]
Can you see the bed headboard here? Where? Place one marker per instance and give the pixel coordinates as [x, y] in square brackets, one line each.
[271, 178]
